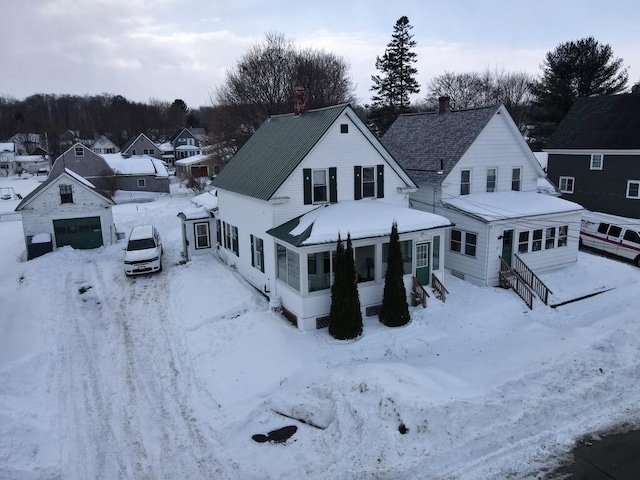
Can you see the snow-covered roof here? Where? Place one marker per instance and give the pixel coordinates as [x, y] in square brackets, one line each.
[190, 160]
[166, 147]
[30, 158]
[505, 205]
[82, 180]
[195, 213]
[135, 165]
[543, 159]
[187, 147]
[7, 147]
[608, 218]
[545, 186]
[208, 200]
[361, 219]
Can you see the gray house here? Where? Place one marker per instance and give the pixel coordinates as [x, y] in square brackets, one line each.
[141, 145]
[594, 154]
[111, 172]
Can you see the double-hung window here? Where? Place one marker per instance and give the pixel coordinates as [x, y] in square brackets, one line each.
[523, 242]
[231, 238]
[368, 182]
[550, 238]
[597, 161]
[492, 174]
[66, 193]
[460, 238]
[320, 186]
[516, 179]
[633, 188]
[201, 231]
[536, 245]
[257, 253]
[566, 184]
[465, 182]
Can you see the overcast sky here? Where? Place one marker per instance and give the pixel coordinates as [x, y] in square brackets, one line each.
[168, 49]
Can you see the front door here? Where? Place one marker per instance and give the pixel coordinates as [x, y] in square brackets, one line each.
[507, 246]
[423, 267]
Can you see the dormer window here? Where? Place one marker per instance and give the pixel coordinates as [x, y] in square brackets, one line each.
[66, 193]
[79, 152]
[596, 161]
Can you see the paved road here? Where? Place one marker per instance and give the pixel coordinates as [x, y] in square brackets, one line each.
[615, 457]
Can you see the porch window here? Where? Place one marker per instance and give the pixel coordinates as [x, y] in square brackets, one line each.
[523, 242]
[566, 184]
[288, 266]
[465, 182]
[319, 186]
[66, 193]
[319, 271]
[562, 235]
[596, 161]
[550, 238]
[456, 241]
[633, 188]
[365, 263]
[406, 248]
[201, 231]
[492, 173]
[537, 241]
[257, 253]
[516, 179]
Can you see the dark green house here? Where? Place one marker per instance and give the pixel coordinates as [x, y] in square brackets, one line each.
[594, 154]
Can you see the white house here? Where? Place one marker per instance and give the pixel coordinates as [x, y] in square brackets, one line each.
[66, 210]
[300, 181]
[474, 167]
[7, 158]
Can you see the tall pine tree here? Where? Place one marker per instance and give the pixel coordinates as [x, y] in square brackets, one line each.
[345, 317]
[395, 310]
[397, 79]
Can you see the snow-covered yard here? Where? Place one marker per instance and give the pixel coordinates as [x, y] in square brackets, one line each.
[170, 375]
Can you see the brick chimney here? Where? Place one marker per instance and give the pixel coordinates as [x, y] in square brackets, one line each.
[299, 100]
[443, 104]
[636, 88]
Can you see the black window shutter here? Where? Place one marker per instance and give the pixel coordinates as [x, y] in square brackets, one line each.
[380, 184]
[357, 183]
[253, 263]
[333, 185]
[306, 174]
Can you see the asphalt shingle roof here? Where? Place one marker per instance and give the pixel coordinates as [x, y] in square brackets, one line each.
[606, 122]
[426, 143]
[274, 151]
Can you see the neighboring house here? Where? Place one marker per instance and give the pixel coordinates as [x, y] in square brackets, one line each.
[199, 225]
[187, 142]
[32, 164]
[7, 159]
[104, 145]
[111, 172]
[474, 167]
[594, 154]
[28, 143]
[300, 181]
[66, 210]
[197, 166]
[141, 145]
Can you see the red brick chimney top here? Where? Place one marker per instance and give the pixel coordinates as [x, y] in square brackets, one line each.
[443, 104]
[299, 100]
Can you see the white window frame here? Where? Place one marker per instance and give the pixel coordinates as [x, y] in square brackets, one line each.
[326, 185]
[142, 183]
[467, 190]
[206, 235]
[633, 182]
[597, 161]
[257, 254]
[516, 180]
[79, 151]
[463, 243]
[568, 181]
[495, 179]
[375, 180]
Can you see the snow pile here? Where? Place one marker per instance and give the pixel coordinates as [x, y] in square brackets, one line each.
[171, 375]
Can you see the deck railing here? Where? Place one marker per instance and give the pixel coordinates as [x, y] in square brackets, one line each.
[510, 278]
[438, 288]
[419, 294]
[531, 279]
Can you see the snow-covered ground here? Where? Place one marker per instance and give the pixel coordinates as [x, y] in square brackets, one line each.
[170, 375]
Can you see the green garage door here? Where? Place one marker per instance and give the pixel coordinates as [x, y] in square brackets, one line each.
[78, 232]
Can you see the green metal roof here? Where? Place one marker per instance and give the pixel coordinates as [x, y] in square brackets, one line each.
[274, 152]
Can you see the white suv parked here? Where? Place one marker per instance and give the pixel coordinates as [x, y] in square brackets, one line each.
[144, 251]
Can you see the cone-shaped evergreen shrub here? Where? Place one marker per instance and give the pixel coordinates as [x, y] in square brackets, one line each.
[345, 317]
[395, 310]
